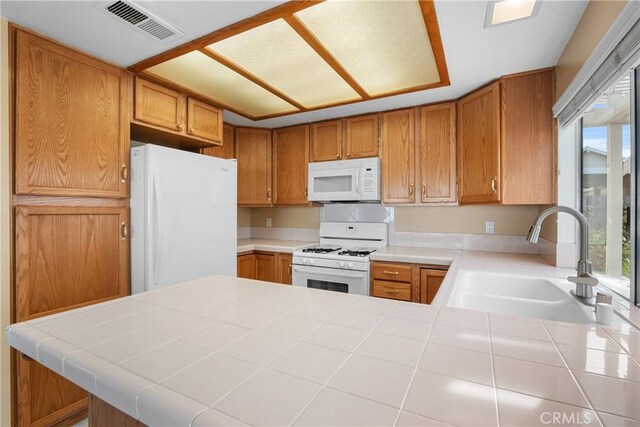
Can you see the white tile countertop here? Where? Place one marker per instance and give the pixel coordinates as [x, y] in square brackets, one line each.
[272, 245]
[227, 351]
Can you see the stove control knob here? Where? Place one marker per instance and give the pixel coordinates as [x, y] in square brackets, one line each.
[350, 265]
[341, 264]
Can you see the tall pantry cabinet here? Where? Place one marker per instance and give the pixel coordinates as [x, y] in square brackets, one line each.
[70, 205]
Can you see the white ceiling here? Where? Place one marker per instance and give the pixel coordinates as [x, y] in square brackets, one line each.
[475, 55]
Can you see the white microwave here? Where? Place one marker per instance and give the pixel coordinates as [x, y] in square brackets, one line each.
[356, 180]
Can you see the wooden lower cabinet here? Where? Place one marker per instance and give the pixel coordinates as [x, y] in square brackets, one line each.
[406, 282]
[66, 257]
[266, 266]
[101, 414]
[430, 281]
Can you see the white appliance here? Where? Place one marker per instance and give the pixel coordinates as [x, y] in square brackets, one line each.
[356, 180]
[341, 261]
[183, 217]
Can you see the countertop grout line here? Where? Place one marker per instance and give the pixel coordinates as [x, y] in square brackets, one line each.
[326, 383]
[575, 380]
[493, 370]
[415, 370]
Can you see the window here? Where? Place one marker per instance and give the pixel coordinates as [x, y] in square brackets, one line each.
[607, 183]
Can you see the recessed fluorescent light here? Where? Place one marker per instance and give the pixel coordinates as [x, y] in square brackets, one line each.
[505, 11]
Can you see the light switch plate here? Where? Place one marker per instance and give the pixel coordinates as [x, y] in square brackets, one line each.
[489, 227]
[268, 222]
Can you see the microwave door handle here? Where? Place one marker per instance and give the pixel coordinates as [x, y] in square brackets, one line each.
[312, 271]
[358, 182]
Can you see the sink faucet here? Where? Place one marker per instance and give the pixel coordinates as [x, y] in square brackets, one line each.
[584, 280]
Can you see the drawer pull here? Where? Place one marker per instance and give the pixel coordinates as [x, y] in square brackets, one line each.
[124, 173]
[393, 273]
[391, 291]
[124, 231]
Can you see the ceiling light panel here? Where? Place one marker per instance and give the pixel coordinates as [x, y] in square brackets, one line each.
[201, 74]
[384, 45]
[501, 12]
[276, 54]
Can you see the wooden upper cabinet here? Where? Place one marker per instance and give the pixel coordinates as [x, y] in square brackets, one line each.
[253, 151]
[326, 141]
[204, 120]
[228, 148]
[479, 146]
[437, 147]
[71, 122]
[290, 158]
[528, 145]
[362, 136]
[158, 105]
[398, 156]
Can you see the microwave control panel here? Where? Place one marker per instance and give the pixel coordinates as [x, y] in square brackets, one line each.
[370, 171]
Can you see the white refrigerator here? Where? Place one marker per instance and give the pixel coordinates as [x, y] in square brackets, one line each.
[183, 217]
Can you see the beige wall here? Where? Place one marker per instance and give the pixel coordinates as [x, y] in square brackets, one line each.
[244, 217]
[594, 24]
[511, 220]
[5, 194]
[290, 217]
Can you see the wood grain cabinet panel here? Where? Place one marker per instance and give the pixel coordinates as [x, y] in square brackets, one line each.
[227, 150]
[479, 146]
[247, 266]
[204, 121]
[430, 281]
[362, 136]
[71, 122]
[66, 257]
[437, 147]
[290, 159]
[253, 151]
[528, 144]
[398, 156]
[158, 105]
[265, 267]
[326, 141]
[283, 273]
[392, 290]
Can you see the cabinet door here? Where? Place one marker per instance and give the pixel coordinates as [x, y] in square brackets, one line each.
[265, 267]
[253, 151]
[398, 156]
[430, 281]
[479, 146]
[528, 146]
[72, 122]
[290, 158]
[362, 137]
[228, 148]
[66, 257]
[204, 120]
[438, 153]
[283, 268]
[326, 141]
[247, 266]
[158, 105]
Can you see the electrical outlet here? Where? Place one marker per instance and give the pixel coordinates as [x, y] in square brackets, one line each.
[268, 222]
[489, 227]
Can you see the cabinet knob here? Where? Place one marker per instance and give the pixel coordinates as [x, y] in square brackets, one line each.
[124, 173]
[190, 130]
[124, 231]
[493, 185]
[424, 189]
[348, 154]
[290, 267]
[411, 190]
[338, 156]
[180, 126]
[268, 194]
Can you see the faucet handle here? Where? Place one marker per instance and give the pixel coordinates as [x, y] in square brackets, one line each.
[583, 280]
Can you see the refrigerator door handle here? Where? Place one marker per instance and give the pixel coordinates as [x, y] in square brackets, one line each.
[156, 231]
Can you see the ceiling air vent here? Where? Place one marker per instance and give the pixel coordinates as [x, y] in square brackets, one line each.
[140, 19]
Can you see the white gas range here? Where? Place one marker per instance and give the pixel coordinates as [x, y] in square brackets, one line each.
[341, 261]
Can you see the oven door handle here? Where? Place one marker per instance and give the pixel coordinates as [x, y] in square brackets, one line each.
[325, 273]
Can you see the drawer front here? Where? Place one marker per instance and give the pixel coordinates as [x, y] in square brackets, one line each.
[392, 272]
[384, 289]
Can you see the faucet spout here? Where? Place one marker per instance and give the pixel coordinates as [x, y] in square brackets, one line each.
[584, 280]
